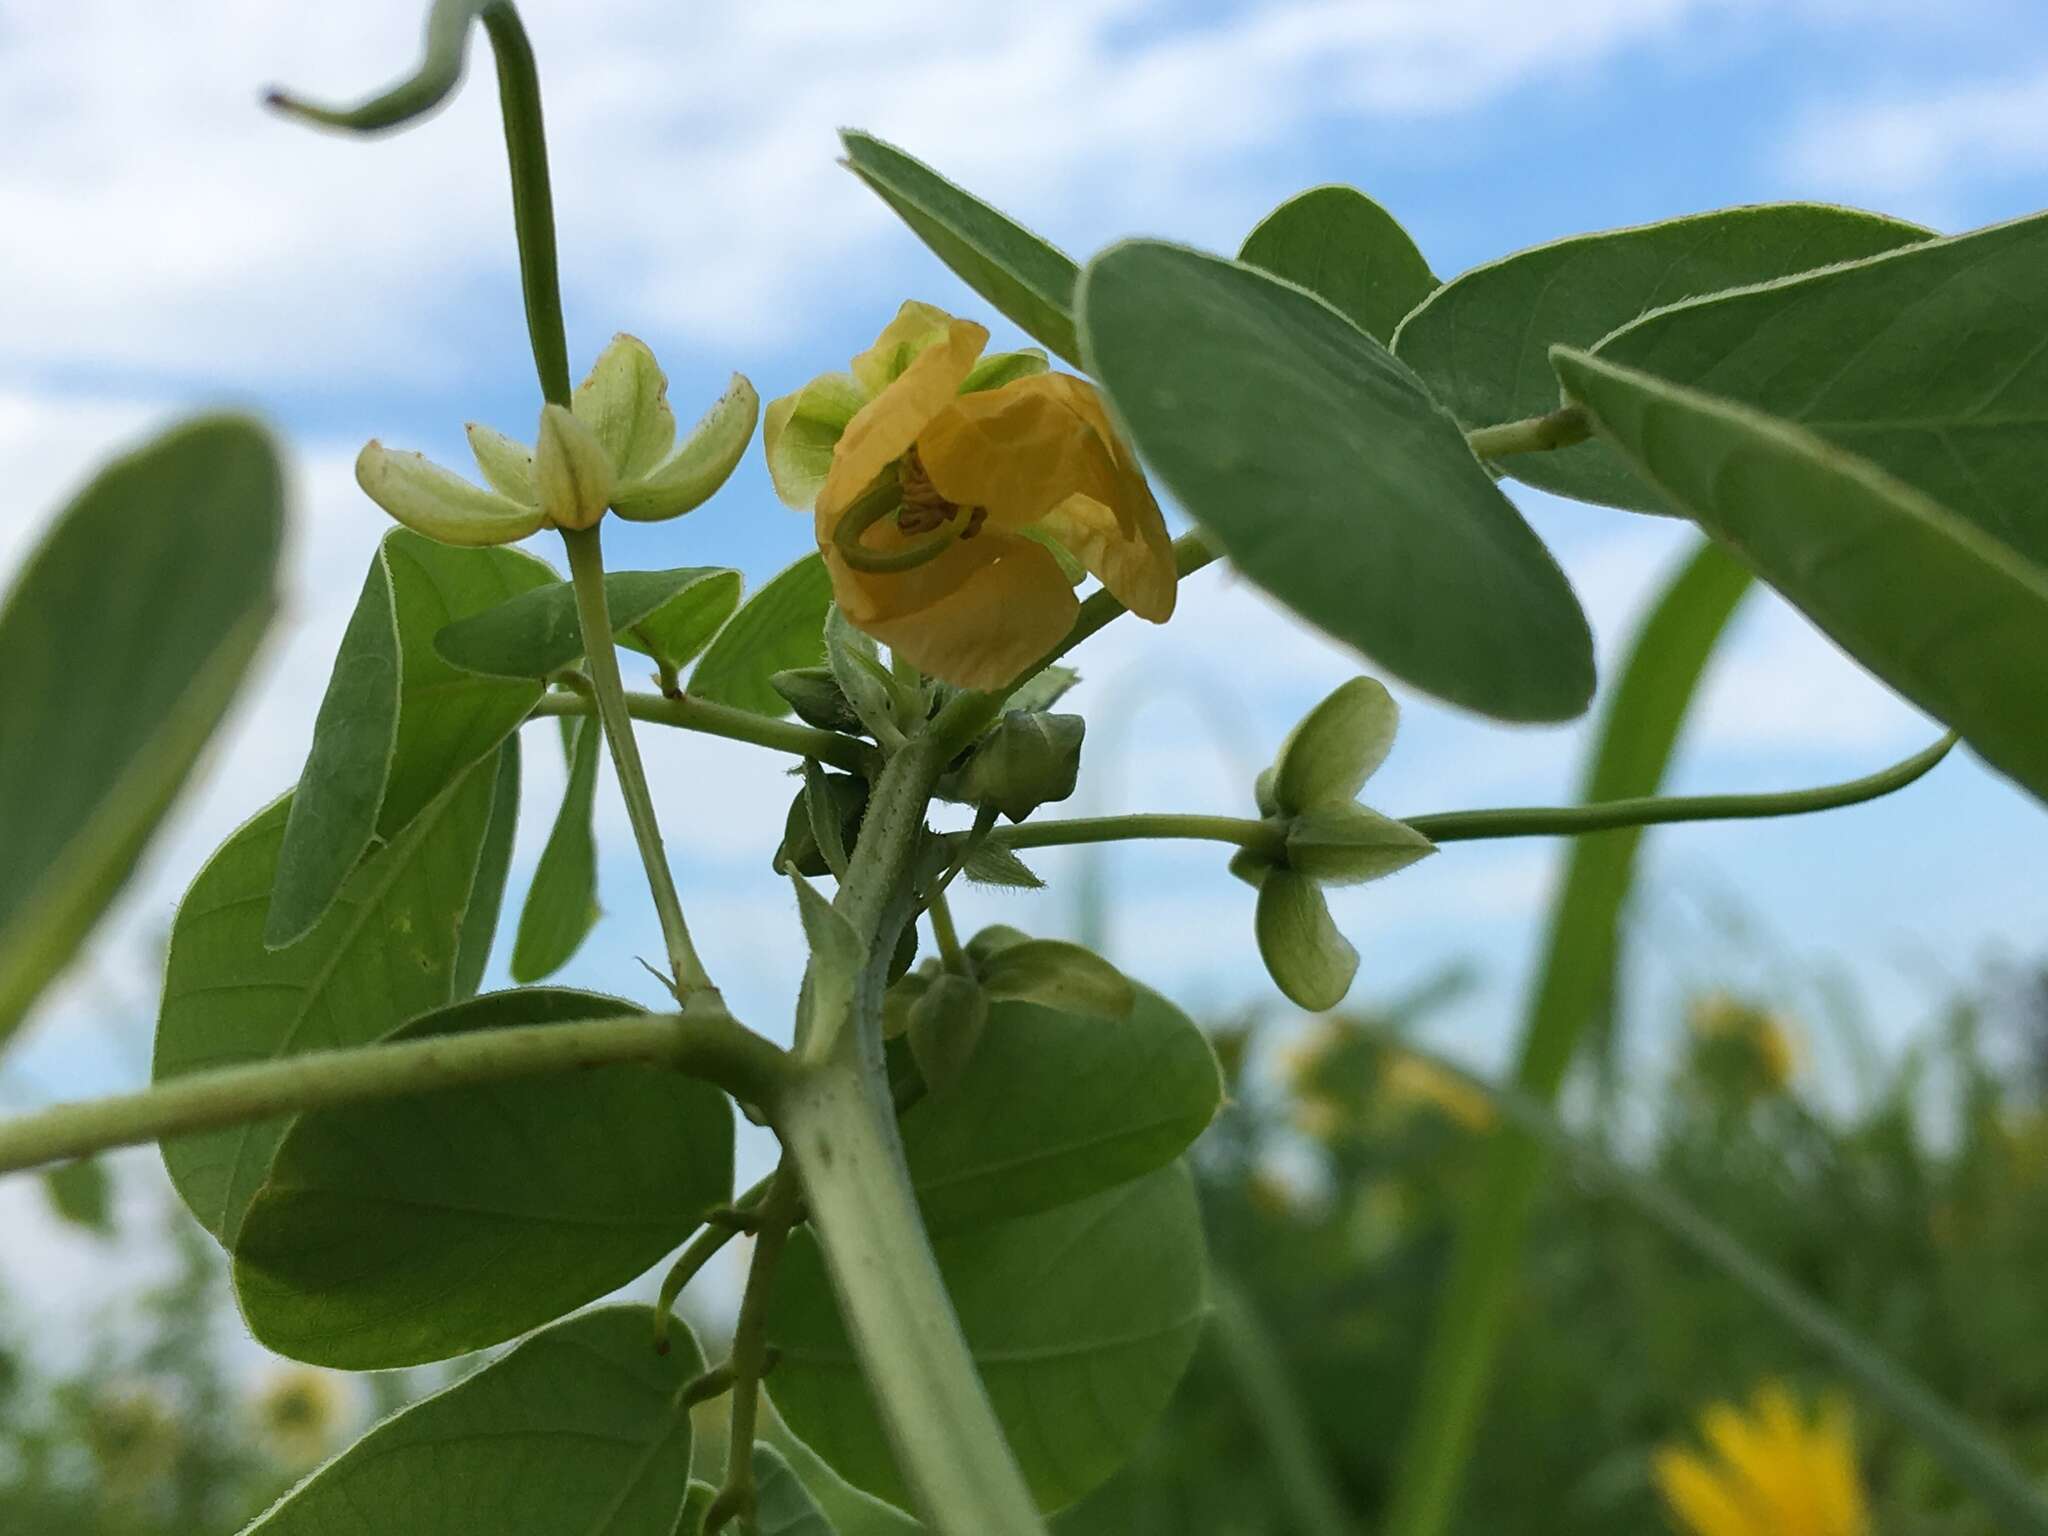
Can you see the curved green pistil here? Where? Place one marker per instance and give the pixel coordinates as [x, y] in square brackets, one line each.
[881, 500]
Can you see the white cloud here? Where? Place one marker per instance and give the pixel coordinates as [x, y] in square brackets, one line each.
[1905, 144]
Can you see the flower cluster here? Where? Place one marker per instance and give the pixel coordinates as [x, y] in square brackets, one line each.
[957, 498]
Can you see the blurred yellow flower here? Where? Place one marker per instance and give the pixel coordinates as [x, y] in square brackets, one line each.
[1766, 1472]
[299, 1415]
[952, 496]
[1412, 1082]
[1760, 1045]
[133, 1431]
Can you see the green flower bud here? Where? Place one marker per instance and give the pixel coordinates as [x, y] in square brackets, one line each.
[946, 1025]
[1330, 755]
[1344, 843]
[572, 473]
[992, 941]
[1309, 960]
[814, 694]
[1026, 761]
[799, 845]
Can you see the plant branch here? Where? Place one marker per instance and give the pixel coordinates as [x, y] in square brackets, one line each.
[1243, 831]
[749, 1357]
[706, 718]
[586, 572]
[1538, 434]
[946, 936]
[706, 1044]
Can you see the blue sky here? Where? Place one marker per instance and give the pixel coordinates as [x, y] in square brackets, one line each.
[171, 246]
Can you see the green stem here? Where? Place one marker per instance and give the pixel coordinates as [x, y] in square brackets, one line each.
[838, 1128]
[961, 722]
[947, 937]
[1538, 434]
[586, 572]
[435, 78]
[1651, 810]
[709, 719]
[749, 1357]
[1314, 1505]
[710, 1045]
[1243, 831]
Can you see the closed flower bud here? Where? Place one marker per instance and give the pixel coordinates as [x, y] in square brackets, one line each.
[799, 845]
[1025, 762]
[946, 1025]
[815, 696]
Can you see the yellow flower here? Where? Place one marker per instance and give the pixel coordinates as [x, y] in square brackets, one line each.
[951, 495]
[1412, 1082]
[299, 1415]
[1767, 1472]
[1753, 1045]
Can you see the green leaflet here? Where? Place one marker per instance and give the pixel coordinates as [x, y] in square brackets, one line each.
[1081, 1320]
[1024, 277]
[668, 615]
[1480, 341]
[80, 1193]
[779, 627]
[1950, 617]
[127, 633]
[578, 1430]
[783, 1505]
[399, 724]
[1925, 361]
[487, 893]
[1345, 248]
[1332, 479]
[1054, 1107]
[384, 953]
[1571, 1001]
[420, 1228]
[561, 903]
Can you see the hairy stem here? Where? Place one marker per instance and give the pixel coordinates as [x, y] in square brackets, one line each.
[749, 1359]
[1538, 434]
[586, 571]
[708, 719]
[707, 1044]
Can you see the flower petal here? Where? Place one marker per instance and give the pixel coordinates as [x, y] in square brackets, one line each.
[443, 506]
[867, 596]
[571, 470]
[624, 401]
[1004, 617]
[799, 433]
[883, 429]
[1703, 1504]
[916, 327]
[705, 461]
[507, 465]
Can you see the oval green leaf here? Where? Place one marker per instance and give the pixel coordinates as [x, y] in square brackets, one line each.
[126, 633]
[580, 1429]
[1054, 1107]
[668, 615]
[1481, 341]
[1926, 362]
[415, 1229]
[1950, 617]
[1029, 280]
[561, 903]
[399, 723]
[1345, 248]
[1080, 1319]
[780, 626]
[1332, 479]
[384, 953]
[493, 868]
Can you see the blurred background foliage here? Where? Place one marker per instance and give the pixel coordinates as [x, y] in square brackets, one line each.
[1915, 1205]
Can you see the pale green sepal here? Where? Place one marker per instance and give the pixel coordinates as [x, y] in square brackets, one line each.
[443, 506]
[1336, 748]
[571, 471]
[1251, 866]
[506, 463]
[946, 1024]
[1058, 975]
[1344, 843]
[1262, 792]
[799, 433]
[1000, 368]
[624, 401]
[1309, 960]
[706, 460]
